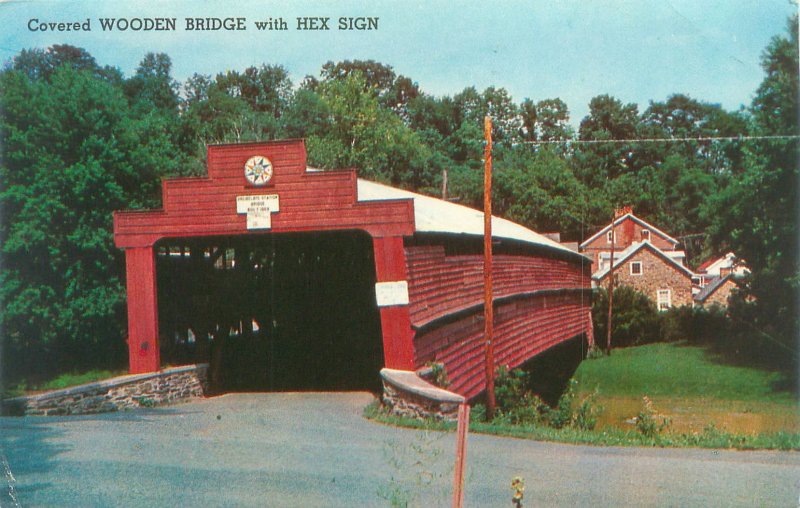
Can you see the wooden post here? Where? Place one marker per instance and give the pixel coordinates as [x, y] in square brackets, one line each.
[461, 455]
[611, 286]
[143, 347]
[487, 267]
[398, 337]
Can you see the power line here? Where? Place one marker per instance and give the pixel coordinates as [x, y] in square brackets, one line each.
[780, 137]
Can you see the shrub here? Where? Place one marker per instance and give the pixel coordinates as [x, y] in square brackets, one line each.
[648, 422]
[585, 417]
[635, 318]
[515, 402]
[437, 374]
[561, 415]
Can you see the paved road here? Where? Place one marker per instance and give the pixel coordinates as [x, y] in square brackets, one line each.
[316, 450]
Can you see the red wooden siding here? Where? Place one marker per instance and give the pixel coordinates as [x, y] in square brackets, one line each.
[523, 329]
[438, 284]
[542, 304]
[308, 200]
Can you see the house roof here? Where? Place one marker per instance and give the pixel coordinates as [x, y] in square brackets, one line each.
[636, 219]
[712, 287]
[433, 215]
[636, 247]
[711, 262]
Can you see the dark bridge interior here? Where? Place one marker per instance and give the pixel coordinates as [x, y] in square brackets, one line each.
[272, 312]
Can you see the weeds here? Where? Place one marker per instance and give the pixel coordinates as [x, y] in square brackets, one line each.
[518, 405]
[648, 422]
[417, 471]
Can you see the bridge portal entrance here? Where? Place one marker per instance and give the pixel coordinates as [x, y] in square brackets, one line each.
[280, 311]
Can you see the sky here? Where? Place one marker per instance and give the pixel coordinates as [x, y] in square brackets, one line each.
[637, 51]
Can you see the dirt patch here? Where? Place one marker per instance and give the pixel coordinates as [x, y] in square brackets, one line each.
[694, 414]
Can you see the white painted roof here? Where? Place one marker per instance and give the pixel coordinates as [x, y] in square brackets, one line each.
[433, 215]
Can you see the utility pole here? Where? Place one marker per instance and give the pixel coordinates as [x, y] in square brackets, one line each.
[444, 184]
[488, 309]
[611, 285]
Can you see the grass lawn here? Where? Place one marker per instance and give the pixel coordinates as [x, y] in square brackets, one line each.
[63, 381]
[691, 388]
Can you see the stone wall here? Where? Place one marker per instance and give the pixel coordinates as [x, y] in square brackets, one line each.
[124, 392]
[721, 295]
[657, 273]
[407, 394]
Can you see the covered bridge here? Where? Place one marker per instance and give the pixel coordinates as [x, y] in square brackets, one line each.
[337, 272]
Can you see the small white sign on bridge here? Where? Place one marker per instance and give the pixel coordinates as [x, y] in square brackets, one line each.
[259, 209]
[391, 293]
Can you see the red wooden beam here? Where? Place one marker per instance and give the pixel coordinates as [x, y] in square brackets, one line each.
[398, 337]
[143, 346]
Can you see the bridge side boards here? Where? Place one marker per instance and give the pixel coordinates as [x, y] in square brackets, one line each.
[541, 301]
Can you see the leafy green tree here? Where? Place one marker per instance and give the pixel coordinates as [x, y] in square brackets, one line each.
[393, 92]
[73, 153]
[681, 116]
[195, 89]
[152, 87]
[539, 190]
[306, 115]
[553, 120]
[528, 118]
[756, 215]
[635, 319]
[265, 89]
[608, 119]
[370, 138]
[41, 64]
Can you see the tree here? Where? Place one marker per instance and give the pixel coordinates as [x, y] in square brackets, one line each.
[265, 89]
[368, 137]
[41, 64]
[608, 119]
[73, 153]
[306, 115]
[393, 92]
[553, 120]
[681, 116]
[756, 215]
[538, 189]
[153, 86]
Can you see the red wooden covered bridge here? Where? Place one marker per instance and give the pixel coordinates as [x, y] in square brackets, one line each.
[336, 272]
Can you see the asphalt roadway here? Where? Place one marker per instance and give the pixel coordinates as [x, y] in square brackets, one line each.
[315, 449]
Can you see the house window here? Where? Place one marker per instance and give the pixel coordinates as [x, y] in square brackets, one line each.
[636, 267]
[645, 234]
[664, 299]
[610, 236]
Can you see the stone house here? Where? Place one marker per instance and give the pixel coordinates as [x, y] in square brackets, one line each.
[645, 258]
[717, 291]
[719, 267]
[628, 229]
[652, 272]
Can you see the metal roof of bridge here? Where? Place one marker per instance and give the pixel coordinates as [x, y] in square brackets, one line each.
[434, 215]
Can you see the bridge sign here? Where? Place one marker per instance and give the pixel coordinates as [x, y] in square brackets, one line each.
[259, 209]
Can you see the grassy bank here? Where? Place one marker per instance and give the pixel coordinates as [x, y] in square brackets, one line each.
[706, 403]
[62, 381]
[679, 370]
[691, 387]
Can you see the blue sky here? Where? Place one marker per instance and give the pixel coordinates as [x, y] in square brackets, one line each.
[573, 49]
